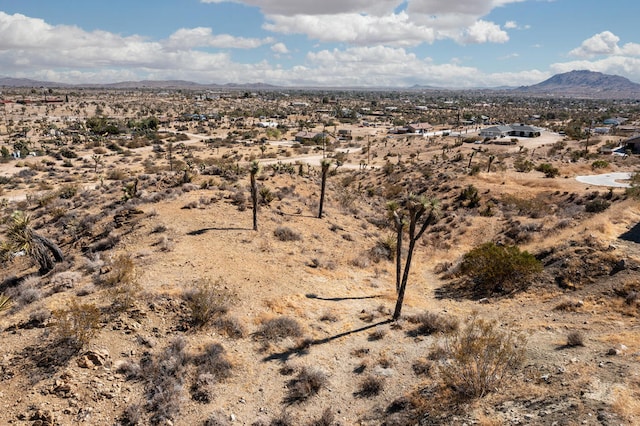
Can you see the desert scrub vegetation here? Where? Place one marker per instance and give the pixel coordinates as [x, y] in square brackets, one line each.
[307, 383]
[21, 237]
[284, 233]
[430, 323]
[496, 269]
[278, 328]
[5, 302]
[77, 324]
[208, 300]
[479, 357]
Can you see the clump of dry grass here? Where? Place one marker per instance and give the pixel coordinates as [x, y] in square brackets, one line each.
[279, 328]
[306, 384]
[370, 386]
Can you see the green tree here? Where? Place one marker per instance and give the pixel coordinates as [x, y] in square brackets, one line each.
[420, 213]
[22, 237]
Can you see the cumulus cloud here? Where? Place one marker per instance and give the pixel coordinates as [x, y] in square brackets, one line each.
[365, 22]
[280, 48]
[614, 59]
[315, 7]
[187, 38]
[483, 32]
[70, 54]
[395, 29]
[604, 43]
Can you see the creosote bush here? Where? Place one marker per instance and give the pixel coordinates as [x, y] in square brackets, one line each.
[499, 269]
[480, 356]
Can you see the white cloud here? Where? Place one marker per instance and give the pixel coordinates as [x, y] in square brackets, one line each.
[614, 59]
[366, 22]
[511, 25]
[315, 7]
[604, 43]
[395, 29]
[483, 32]
[187, 38]
[280, 48]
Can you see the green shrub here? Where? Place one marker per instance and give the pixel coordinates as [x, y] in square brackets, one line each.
[548, 170]
[597, 206]
[469, 196]
[599, 164]
[522, 165]
[479, 357]
[499, 269]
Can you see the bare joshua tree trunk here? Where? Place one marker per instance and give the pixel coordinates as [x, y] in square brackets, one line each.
[325, 169]
[254, 193]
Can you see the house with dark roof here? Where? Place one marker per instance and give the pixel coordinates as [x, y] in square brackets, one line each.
[632, 144]
[515, 130]
[495, 132]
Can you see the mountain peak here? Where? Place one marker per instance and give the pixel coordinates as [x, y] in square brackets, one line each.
[584, 83]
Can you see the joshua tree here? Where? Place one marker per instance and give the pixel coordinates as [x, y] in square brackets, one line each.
[23, 238]
[97, 160]
[325, 170]
[471, 155]
[255, 167]
[413, 209]
[491, 158]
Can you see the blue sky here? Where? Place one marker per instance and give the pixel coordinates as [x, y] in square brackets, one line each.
[328, 43]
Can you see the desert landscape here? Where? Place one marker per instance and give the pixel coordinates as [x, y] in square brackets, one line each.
[308, 257]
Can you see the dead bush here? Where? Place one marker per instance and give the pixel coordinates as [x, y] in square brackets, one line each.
[279, 328]
[429, 323]
[208, 299]
[480, 357]
[65, 280]
[78, 324]
[284, 233]
[575, 338]
[306, 384]
[369, 387]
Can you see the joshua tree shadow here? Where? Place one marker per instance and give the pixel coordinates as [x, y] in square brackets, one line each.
[303, 349]
[205, 230]
[632, 234]
[339, 299]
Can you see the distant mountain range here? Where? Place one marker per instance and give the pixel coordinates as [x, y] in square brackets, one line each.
[144, 84]
[585, 84]
[577, 84]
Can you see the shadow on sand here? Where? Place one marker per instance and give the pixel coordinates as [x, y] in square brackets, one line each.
[304, 348]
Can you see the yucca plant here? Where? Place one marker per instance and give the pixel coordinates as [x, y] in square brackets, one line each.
[23, 238]
[5, 302]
